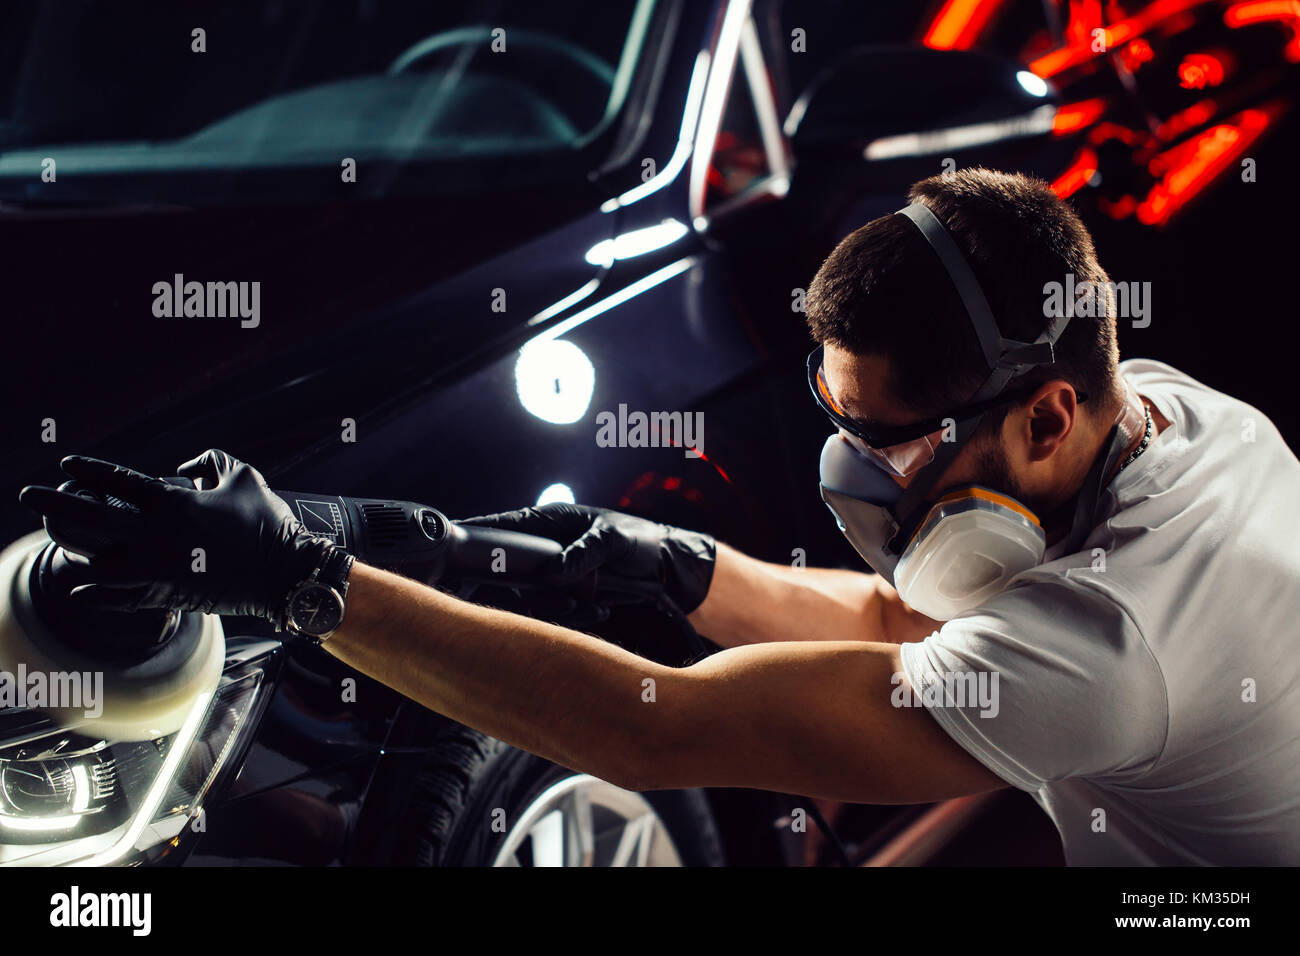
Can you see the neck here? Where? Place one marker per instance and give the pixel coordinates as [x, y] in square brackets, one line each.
[1130, 416]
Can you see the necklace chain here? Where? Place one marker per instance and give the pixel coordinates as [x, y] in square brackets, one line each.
[1142, 446]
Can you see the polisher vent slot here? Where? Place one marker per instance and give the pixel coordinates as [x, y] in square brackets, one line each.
[386, 525]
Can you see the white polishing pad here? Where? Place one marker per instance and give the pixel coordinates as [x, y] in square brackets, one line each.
[129, 707]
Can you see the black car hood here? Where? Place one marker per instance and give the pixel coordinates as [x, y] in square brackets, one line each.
[93, 369]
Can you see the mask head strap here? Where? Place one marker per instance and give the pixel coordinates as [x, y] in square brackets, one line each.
[1005, 358]
[908, 510]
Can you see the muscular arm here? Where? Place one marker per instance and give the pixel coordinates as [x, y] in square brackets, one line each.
[804, 717]
[752, 601]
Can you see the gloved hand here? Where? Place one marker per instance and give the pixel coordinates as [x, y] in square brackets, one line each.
[254, 548]
[624, 558]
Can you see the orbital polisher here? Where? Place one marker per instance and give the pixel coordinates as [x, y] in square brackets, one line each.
[155, 663]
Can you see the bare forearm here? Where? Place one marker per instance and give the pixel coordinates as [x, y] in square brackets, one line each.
[566, 696]
[797, 717]
[752, 601]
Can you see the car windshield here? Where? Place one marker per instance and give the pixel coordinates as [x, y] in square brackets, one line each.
[100, 88]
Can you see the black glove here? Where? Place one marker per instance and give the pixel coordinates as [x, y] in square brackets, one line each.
[142, 556]
[624, 558]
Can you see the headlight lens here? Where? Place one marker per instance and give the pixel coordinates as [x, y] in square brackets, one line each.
[69, 797]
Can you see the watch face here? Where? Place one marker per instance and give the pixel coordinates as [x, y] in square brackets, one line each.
[315, 609]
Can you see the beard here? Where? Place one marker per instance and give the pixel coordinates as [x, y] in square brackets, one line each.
[995, 472]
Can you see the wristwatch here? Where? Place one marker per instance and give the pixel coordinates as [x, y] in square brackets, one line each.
[314, 609]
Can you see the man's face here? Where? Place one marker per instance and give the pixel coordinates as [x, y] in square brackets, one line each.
[860, 385]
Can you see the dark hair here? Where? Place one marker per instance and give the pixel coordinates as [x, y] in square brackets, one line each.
[884, 292]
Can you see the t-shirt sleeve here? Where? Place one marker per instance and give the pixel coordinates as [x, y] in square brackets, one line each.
[1048, 680]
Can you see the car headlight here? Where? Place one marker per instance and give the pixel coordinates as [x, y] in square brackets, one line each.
[69, 797]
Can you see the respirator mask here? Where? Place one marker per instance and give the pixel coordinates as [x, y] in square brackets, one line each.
[947, 556]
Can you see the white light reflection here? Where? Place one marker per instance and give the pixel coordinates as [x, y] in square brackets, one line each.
[636, 243]
[555, 380]
[557, 492]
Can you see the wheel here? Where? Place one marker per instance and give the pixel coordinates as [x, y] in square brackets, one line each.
[483, 803]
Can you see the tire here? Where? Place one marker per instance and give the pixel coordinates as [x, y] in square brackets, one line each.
[479, 796]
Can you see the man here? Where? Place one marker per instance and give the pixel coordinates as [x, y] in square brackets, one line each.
[1113, 548]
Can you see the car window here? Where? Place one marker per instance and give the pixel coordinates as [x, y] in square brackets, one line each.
[738, 156]
[750, 151]
[276, 83]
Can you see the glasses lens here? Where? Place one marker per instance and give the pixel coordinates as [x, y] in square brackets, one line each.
[901, 460]
[823, 392]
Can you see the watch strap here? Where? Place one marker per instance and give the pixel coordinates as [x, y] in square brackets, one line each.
[334, 570]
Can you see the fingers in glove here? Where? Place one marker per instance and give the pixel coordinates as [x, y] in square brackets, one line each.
[53, 503]
[81, 525]
[599, 546]
[116, 480]
[517, 520]
[208, 469]
[560, 521]
[120, 569]
[107, 598]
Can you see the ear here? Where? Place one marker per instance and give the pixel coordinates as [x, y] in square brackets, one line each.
[1049, 416]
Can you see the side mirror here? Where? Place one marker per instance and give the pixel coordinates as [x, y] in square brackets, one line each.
[887, 102]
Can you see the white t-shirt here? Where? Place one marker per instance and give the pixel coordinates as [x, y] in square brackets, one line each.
[1148, 685]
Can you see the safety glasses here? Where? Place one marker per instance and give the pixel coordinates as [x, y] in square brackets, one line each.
[900, 450]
